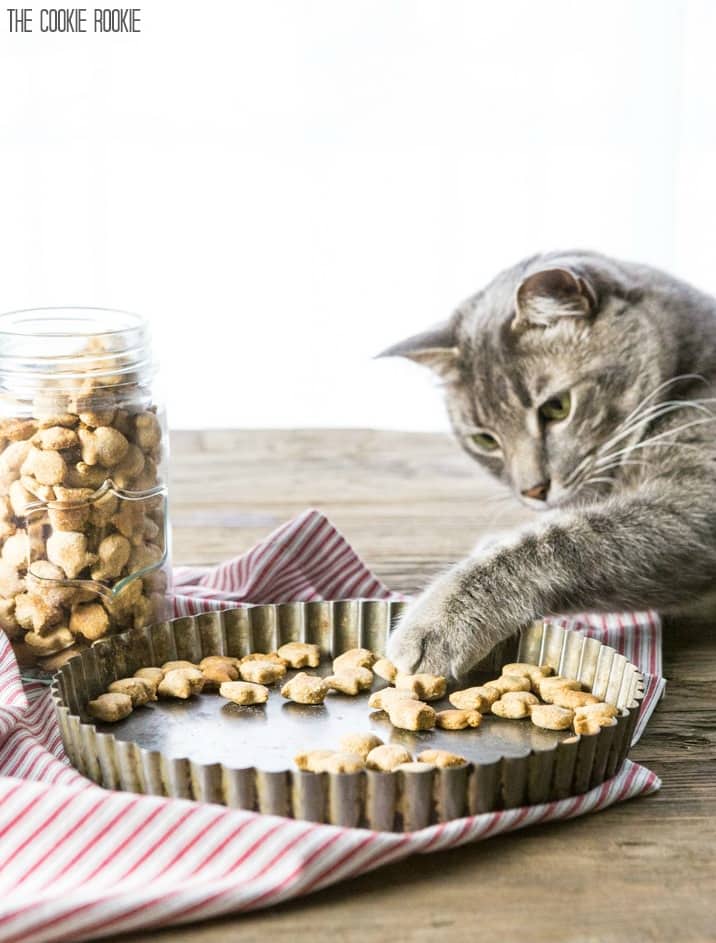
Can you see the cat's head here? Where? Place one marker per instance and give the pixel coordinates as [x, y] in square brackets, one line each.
[542, 368]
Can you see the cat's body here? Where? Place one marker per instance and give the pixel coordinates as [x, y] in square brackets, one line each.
[589, 386]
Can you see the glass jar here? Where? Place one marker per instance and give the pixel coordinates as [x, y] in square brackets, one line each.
[84, 532]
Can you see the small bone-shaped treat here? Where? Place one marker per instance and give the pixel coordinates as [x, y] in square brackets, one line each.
[567, 697]
[173, 665]
[479, 698]
[110, 707]
[49, 468]
[589, 725]
[329, 761]
[458, 719]
[112, 556]
[48, 644]
[524, 669]
[594, 715]
[273, 657]
[181, 683]
[261, 672]
[216, 673]
[385, 669]
[514, 704]
[148, 432]
[386, 757]
[408, 714]
[510, 683]
[551, 717]
[223, 660]
[360, 743]
[544, 686]
[423, 687]
[104, 446]
[441, 758]
[152, 675]
[56, 438]
[68, 549]
[300, 654]
[350, 680]
[305, 689]
[35, 612]
[380, 700]
[89, 619]
[244, 692]
[354, 658]
[140, 690]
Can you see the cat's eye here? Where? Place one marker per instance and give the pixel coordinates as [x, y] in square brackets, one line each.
[483, 440]
[556, 408]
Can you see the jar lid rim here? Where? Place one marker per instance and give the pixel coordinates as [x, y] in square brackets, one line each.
[138, 321]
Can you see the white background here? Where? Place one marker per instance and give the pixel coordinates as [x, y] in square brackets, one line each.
[285, 187]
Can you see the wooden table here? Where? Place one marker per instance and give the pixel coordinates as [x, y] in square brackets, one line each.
[411, 503]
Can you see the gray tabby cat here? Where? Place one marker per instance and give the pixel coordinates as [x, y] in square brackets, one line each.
[587, 385]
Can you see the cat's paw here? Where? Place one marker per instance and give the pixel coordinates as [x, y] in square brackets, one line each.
[441, 632]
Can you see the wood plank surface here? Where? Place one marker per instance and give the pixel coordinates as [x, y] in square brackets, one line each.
[411, 503]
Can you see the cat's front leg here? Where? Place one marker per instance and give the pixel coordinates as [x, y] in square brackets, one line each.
[459, 618]
[654, 549]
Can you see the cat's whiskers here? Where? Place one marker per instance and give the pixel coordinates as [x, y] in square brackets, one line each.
[659, 388]
[649, 442]
[654, 412]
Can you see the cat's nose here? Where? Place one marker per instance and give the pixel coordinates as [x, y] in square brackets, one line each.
[538, 492]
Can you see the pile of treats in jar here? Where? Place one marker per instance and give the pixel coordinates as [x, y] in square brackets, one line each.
[60, 458]
[522, 692]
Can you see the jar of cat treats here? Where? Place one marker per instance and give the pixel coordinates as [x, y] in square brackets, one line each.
[84, 533]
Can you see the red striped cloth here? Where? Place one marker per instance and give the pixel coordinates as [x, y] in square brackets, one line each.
[78, 862]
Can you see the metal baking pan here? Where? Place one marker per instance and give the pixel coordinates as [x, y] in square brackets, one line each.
[213, 751]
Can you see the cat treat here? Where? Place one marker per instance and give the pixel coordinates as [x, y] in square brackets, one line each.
[360, 743]
[244, 692]
[110, 708]
[181, 683]
[510, 683]
[140, 690]
[350, 680]
[478, 698]
[261, 672]
[551, 717]
[458, 719]
[514, 704]
[408, 714]
[329, 761]
[354, 658]
[423, 687]
[305, 689]
[443, 759]
[387, 757]
[300, 654]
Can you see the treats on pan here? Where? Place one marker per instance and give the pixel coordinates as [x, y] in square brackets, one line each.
[441, 758]
[261, 672]
[181, 683]
[354, 658]
[408, 714]
[551, 717]
[350, 680]
[329, 761]
[514, 704]
[110, 707]
[244, 692]
[387, 757]
[478, 698]
[360, 743]
[458, 719]
[423, 687]
[305, 689]
[300, 654]
[140, 690]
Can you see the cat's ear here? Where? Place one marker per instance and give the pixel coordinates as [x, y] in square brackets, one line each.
[545, 297]
[435, 348]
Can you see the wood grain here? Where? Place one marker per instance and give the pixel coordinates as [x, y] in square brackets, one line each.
[411, 503]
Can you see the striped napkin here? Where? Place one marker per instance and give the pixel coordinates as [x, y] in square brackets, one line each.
[79, 862]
